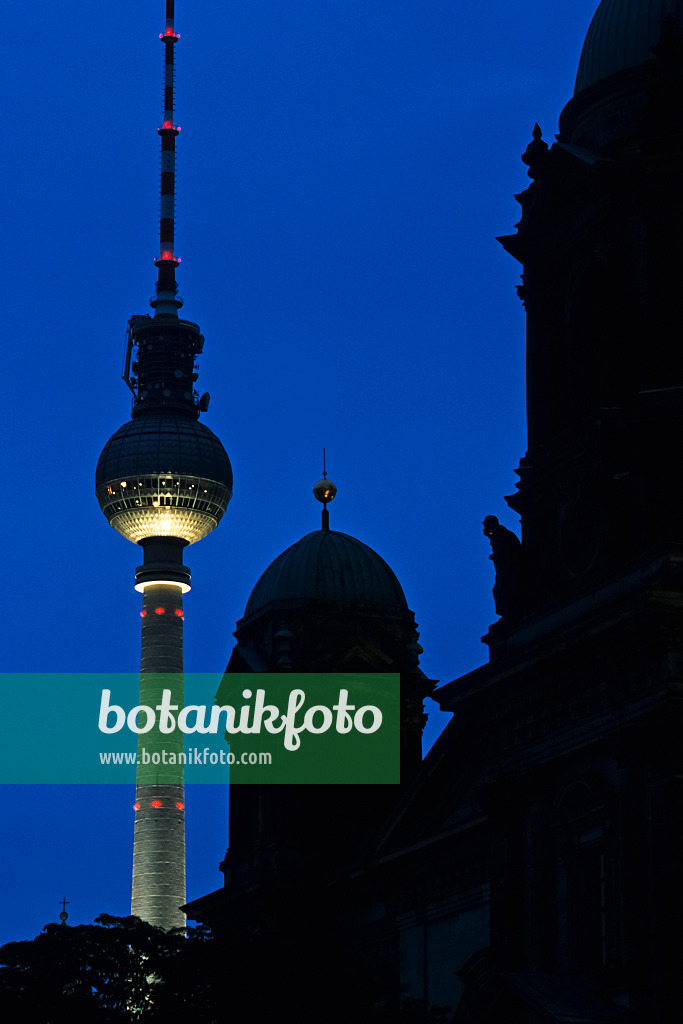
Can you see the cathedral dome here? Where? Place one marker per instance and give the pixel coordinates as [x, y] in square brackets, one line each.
[622, 35]
[326, 567]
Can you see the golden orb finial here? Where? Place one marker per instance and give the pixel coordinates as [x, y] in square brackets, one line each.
[324, 491]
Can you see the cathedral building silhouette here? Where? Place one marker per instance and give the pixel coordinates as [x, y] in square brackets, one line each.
[528, 869]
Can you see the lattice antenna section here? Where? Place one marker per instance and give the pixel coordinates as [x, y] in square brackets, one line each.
[167, 299]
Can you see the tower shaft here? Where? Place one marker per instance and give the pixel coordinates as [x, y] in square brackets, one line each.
[159, 837]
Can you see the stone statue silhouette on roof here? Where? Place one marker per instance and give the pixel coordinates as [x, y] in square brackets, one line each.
[506, 555]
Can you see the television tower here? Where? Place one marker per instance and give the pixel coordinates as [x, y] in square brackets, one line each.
[163, 481]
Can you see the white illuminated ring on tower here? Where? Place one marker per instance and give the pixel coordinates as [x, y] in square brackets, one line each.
[184, 587]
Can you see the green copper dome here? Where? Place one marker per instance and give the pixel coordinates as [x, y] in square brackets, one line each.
[326, 567]
[621, 35]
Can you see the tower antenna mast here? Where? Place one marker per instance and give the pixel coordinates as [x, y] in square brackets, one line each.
[167, 299]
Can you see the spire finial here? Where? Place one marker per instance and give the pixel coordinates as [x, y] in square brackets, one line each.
[325, 491]
[536, 153]
[167, 299]
[63, 916]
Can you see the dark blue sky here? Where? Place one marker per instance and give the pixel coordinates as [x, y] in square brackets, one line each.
[344, 168]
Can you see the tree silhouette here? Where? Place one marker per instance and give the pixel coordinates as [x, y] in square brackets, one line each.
[117, 969]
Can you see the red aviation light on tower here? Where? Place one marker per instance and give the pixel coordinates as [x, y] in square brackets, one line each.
[167, 257]
[169, 33]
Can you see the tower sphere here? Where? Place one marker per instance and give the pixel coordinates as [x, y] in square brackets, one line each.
[163, 475]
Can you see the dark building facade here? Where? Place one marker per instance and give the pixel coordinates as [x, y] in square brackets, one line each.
[529, 869]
